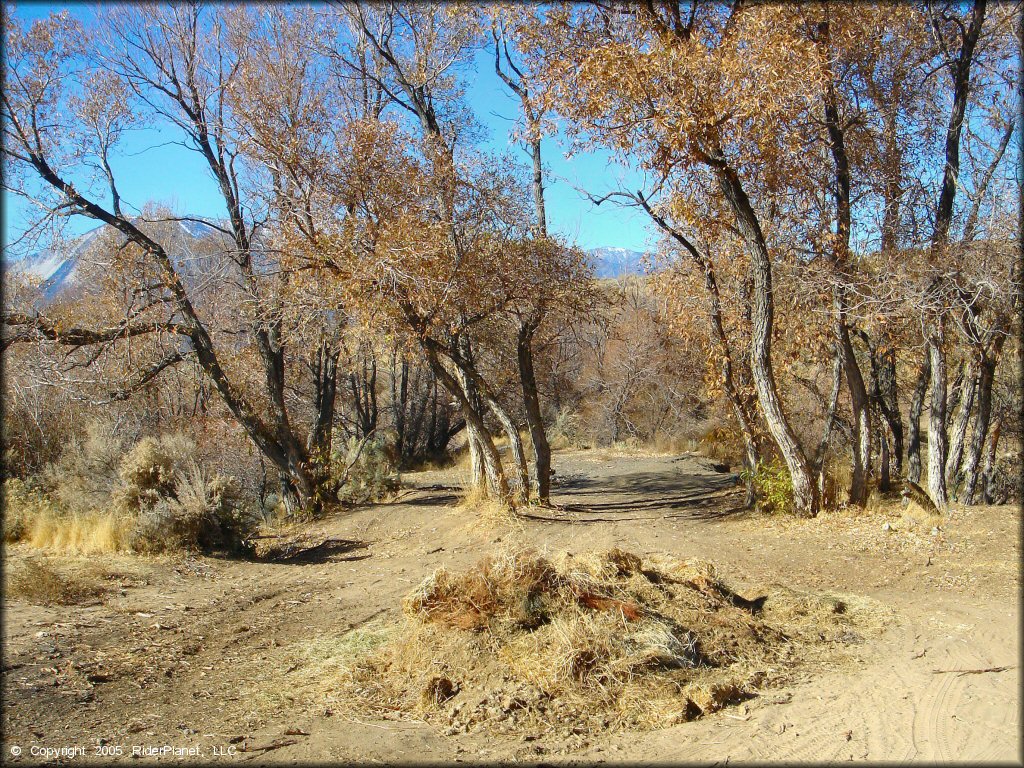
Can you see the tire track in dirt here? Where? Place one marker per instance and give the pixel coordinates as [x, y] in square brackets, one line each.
[886, 706]
[952, 721]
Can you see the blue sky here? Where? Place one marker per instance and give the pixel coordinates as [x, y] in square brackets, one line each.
[149, 169]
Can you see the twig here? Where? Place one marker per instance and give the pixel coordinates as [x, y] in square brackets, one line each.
[272, 745]
[962, 672]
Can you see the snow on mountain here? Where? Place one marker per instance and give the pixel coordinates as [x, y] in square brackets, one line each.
[56, 271]
[616, 262]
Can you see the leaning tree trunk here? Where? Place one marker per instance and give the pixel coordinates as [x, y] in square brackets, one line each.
[515, 444]
[534, 417]
[460, 386]
[805, 491]
[914, 431]
[741, 408]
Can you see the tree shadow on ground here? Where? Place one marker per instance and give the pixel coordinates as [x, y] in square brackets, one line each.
[330, 550]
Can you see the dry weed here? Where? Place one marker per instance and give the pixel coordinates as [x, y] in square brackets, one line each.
[83, 533]
[597, 640]
[486, 513]
[37, 582]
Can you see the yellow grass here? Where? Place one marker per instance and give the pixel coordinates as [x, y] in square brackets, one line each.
[86, 533]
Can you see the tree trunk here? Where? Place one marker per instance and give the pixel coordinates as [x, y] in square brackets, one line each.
[986, 378]
[477, 476]
[805, 491]
[889, 402]
[961, 74]
[741, 409]
[955, 389]
[938, 445]
[538, 178]
[399, 399]
[515, 443]
[534, 418]
[325, 383]
[990, 461]
[884, 476]
[461, 387]
[859, 402]
[959, 433]
[830, 421]
[861, 414]
[916, 407]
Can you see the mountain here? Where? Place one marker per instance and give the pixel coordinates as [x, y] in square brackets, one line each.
[57, 273]
[616, 262]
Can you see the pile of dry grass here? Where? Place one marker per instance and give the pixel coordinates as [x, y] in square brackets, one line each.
[37, 582]
[525, 643]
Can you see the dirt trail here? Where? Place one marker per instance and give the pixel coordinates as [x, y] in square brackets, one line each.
[213, 653]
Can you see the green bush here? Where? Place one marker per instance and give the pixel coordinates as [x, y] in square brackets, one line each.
[773, 486]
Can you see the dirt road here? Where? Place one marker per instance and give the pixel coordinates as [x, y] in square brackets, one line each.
[221, 656]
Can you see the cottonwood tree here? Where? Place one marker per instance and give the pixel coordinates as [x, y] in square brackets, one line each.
[973, 52]
[718, 95]
[411, 52]
[69, 91]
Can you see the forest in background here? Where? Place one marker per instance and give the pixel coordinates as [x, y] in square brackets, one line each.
[832, 308]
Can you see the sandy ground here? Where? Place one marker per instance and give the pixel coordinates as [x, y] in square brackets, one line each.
[214, 655]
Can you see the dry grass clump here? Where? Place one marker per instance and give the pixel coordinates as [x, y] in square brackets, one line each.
[32, 516]
[484, 512]
[87, 532]
[603, 640]
[37, 582]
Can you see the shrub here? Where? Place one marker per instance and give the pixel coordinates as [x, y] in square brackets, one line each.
[147, 475]
[773, 486]
[567, 431]
[149, 470]
[364, 471]
[84, 476]
[722, 444]
[201, 512]
[1003, 485]
[23, 502]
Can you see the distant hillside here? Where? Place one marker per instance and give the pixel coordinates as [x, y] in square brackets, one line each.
[616, 262]
[57, 273]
